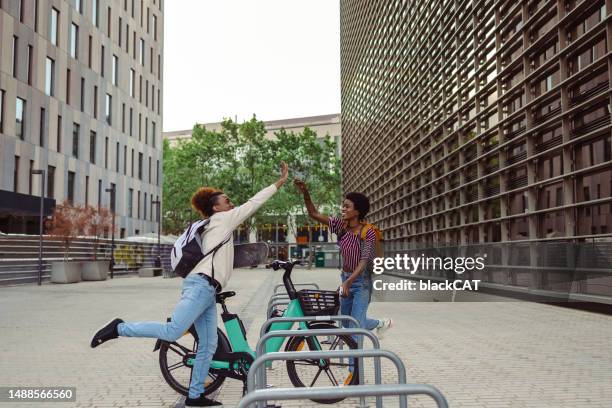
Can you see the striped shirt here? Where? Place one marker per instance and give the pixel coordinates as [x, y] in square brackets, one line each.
[350, 244]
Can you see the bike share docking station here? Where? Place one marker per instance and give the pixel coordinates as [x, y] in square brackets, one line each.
[319, 310]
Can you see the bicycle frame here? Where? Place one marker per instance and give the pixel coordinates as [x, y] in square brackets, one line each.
[237, 334]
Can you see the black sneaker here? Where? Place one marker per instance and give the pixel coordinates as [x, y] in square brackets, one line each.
[202, 401]
[107, 332]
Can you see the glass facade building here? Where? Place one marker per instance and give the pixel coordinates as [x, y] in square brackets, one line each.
[470, 122]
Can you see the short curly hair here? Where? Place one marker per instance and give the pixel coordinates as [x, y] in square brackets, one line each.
[204, 199]
[361, 203]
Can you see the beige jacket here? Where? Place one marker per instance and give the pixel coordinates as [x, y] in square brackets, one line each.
[222, 226]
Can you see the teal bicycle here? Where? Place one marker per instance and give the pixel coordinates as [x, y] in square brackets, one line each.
[234, 356]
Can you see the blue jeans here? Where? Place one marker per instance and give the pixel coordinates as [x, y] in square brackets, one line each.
[357, 302]
[196, 306]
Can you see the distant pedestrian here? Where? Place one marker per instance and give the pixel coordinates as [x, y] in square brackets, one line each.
[197, 304]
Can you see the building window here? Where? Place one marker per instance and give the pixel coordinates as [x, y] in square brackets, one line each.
[76, 129]
[1, 110]
[30, 176]
[142, 52]
[117, 158]
[86, 190]
[123, 117]
[132, 163]
[50, 77]
[16, 175]
[92, 146]
[148, 19]
[115, 69]
[82, 94]
[79, 6]
[154, 27]
[102, 60]
[125, 160]
[140, 90]
[106, 153]
[108, 110]
[157, 173]
[58, 140]
[108, 22]
[153, 134]
[130, 202]
[89, 52]
[68, 82]
[20, 113]
[74, 40]
[138, 205]
[50, 181]
[120, 31]
[53, 35]
[43, 120]
[131, 121]
[149, 170]
[15, 56]
[70, 195]
[146, 130]
[144, 207]
[29, 65]
[132, 83]
[94, 12]
[95, 102]
[99, 193]
[139, 166]
[140, 127]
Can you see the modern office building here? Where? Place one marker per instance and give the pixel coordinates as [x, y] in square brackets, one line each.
[479, 121]
[81, 99]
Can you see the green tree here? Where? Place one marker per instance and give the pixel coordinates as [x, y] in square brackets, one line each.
[240, 160]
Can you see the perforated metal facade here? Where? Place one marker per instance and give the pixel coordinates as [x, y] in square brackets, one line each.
[479, 121]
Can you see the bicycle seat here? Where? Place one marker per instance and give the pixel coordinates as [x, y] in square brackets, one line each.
[224, 295]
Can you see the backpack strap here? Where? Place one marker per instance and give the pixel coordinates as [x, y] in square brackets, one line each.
[212, 264]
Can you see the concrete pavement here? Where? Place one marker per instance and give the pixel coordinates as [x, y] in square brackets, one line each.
[489, 354]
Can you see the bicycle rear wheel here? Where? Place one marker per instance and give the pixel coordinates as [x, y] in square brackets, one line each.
[175, 362]
[333, 372]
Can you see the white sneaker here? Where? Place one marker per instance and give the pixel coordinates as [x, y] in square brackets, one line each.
[384, 325]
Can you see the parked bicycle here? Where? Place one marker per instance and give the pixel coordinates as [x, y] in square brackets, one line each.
[234, 356]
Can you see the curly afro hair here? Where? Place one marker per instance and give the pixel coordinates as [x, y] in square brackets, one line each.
[204, 199]
[361, 203]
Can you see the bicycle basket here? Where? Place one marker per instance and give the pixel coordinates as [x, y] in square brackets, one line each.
[319, 302]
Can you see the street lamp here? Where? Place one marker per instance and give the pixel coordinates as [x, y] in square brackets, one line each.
[158, 259]
[40, 227]
[111, 190]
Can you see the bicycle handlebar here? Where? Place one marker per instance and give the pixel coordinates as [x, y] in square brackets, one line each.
[287, 266]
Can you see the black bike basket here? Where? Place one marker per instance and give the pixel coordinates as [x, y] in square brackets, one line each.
[319, 302]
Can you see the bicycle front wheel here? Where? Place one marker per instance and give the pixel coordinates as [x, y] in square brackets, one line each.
[322, 373]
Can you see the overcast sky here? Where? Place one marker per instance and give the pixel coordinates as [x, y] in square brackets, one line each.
[275, 58]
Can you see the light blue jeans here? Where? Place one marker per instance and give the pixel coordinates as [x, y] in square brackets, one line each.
[356, 305]
[357, 302]
[196, 306]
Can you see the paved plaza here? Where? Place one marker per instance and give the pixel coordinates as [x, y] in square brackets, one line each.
[479, 354]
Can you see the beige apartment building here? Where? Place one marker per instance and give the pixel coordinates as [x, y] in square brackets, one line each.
[81, 99]
[322, 124]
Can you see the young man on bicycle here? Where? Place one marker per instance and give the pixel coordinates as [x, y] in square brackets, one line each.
[198, 296]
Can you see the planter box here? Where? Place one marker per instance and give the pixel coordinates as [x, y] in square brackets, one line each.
[95, 270]
[66, 272]
[149, 272]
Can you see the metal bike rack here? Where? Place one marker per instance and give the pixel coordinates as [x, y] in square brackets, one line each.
[278, 302]
[276, 297]
[315, 355]
[336, 318]
[344, 392]
[282, 285]
[260, 350]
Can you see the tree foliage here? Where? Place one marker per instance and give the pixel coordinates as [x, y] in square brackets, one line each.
[240, 160]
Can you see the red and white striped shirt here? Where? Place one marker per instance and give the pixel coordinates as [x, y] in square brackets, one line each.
[350, 244]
